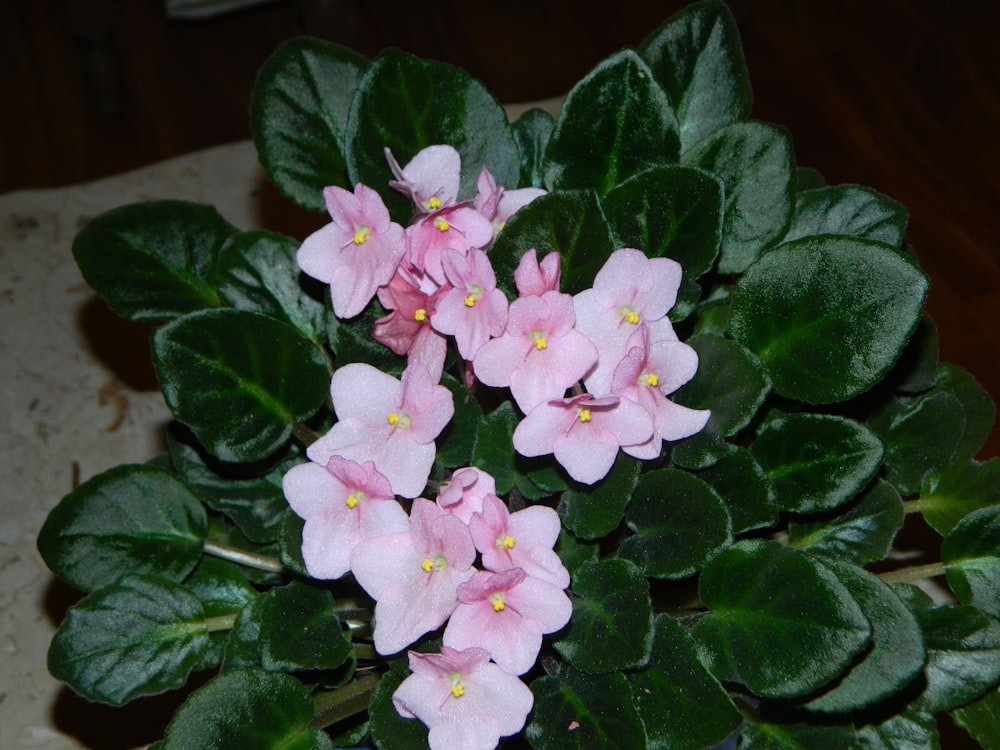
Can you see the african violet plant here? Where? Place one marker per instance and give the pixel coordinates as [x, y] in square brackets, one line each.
[583, 431]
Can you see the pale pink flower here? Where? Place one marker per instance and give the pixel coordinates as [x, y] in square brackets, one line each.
[388, 421]
[507, 613]
[523, 539]
[646, 374]
[458, 226]
[341, 504]
[462, 494]
[628, 290]
[473, 309]
[413, 576]
[357, 252]
[583, 432]
[465, 700]
[498, 204]
[540, 353]
[534, 278]
[430, 178]
[407, 328]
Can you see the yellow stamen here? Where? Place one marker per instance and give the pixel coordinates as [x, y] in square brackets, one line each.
[497, 599]
[652, 379]
[541, 343]
[351, 501]
[420, 315]
[458, 690]
[434, 203]
[393, 418]
[427, 565]
[508, 542]
[470, 300]
[442, 224]
[584, 415]
[362, 234]
[632, 317]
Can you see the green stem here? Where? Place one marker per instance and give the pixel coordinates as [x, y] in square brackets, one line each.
[222, 622]
[242, 557]
[911, 506]
[353, 698]
[365, 651]
[304, 434]
[916, 573]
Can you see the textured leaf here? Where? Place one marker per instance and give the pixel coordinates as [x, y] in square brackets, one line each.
[130, 519]
[390, 731]
[223, 590]
[981, 719]
[745, 489]
[952, 494]
[299, 630]
[971, 555]
[495, 447]
[770, 736]
[849, 210]
[457, 442]
[592, 511]
[532, 131]
[977, 406]
[909, 730]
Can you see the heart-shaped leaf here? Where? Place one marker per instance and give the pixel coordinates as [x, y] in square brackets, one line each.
[971, 555]
[592, 511]
[532, 131]
[745, 489]
[849, 210]
[949, 496]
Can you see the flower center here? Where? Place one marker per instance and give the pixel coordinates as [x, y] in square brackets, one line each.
[497, 599]
[420, 315]
[433, 565]
[354, 498]
[583, 414]
[434, 203]
[628, 314]
[457, 688]
[650, 379]
[506, 541]
[539, 338]
[442, 224]
[474, 293]
[362, 234]
[401, 419]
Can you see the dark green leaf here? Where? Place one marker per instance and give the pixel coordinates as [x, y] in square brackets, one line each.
[767, 736]
[390, 731]
[405, 104]
[896, 655]
[299, 629]
[247, 709]
[680, 522]
[154, 260]
[290, 543]
[298, 111]
[804, 306]
[682, 706]
[779, 621]
[352, 341]
[612, 624]
[532, 131]
[457, 442]
[130, 519]
[971, 555]
[977, 405]
[981, 719]
[909, 730]
[816, 461]
[745, 489]
[849, 210]
[614, 123]
[807, 178]
[571, 223]
[242, 650]
[223, 590]
[578, 711]
[697, 58]
[917, 368]
[139, 636]
[575, 552]
[595, 510]
[239, 380]
[755, 164]
[951, 495]
[861, 532]
[495, 447]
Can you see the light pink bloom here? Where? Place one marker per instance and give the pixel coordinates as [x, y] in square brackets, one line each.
[534, 278]
[413, 576]
[583, 432]
[507, 613]
[357, 252]
[462, 495]
[648, 372]
[540, 354]
[430, 178]
[523, 539]
[473, 309]
[628, 290]
[467, 702]
[407, 328]
[341, 503]
[498, 204]
[390, 422]
[458, 226]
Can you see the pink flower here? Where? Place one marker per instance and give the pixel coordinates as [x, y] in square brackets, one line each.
[357, 252]
[341, 503]
[648, 372]
[413, 576]
[523, 539]
[498, 204]
[430, 178]
[540, 354]
[458, 226]
[507, 613]
[534, 278]
[462, 495]
[407, 328]
[473, 309]
[583, 432]
[390, 422]
[465, 700]
[628, 290]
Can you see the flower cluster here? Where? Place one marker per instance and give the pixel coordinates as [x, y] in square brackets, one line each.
[462, 560]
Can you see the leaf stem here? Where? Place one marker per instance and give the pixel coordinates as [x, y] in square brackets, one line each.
[304, 434]
[911, 506]
[916, 573]
[353, 698]
[222, 622]
[242, 557]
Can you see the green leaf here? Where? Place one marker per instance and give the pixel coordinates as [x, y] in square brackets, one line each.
[130, 519]
[909, 730]
[532, 131]
[896, 655]
[679, 523]
[571, 223]
[257, 272]
[247, 709]
[768, 736]
[952, 494]
[242, 649]
[239, 380]
[807, 178]
[405, 104]
[457, 442]
[298, 111]
[352, 341]
[300, 630]
[802, 306]
[977, 405]
[755, 164]
[779, 621]
[917, 368]
[682, 706]
[139, 636]
[816, 461]
[861, 532]
[575, 552]
[981, 719]
[971, 556]
[290, 543]
[390, 731]
[579, 711]
[849, 210]
[592, 511]
[612, 624]
[697, 58]
[223, 590]
[745, 489]
[614, 123]
[495, 446]
[153, 260]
